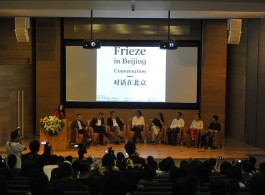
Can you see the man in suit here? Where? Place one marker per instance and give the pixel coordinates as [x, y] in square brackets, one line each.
[80, 125]
[116, 125]
[98, 125]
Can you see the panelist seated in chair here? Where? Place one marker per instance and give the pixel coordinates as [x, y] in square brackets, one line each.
[138, 125]
[80, 125]
[175, 127]
[195, 128]
[157, 125]
[214, 125]
[98, 126]
[116, 125]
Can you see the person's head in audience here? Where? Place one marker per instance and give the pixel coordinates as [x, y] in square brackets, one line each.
[84, 167]
[166, 164]
[53, 159]
[38, 182]
[69, 159]
[217, 187]
[253, 160]
[119, 159]
[11, 161]
[262, 167]
[34, 146]
[178, 115]
[208, 166]
[15, 137]
[65, 170]
[174, 173]
[247, 166]
[183, 186]
[108, 161]
[212, 162]
[202, 173]
[231, 185]
[60, 159]
[151, 161]
[149, 172]
[224, 167]
[100, 115]
[235, 172]
[130, 148]
[114, 183]
[257, 184]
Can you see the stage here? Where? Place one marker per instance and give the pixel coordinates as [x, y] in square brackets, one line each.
[232, 149]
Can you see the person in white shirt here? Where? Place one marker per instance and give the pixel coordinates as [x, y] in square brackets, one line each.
[138, 126]
[53, 163]
[15, 146]
[195, 128]
[175, 127]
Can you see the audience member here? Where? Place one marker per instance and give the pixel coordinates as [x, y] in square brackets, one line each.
[11, 163]
[15, 146]
[120, 158]
[257, 184]
[38, 182]
[31, 160]
[151, 162]
[53, 163]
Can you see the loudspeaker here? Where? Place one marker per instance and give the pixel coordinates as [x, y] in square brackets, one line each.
[91, 44]
[22, 26]
[168, 45]
[234, 30]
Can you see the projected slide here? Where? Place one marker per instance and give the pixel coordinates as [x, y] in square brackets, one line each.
[121, 74]
[131, 74]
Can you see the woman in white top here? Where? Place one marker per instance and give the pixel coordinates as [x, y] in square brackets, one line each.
[195, 128]
[138, 126]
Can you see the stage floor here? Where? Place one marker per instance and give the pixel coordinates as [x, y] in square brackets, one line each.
[232, 149]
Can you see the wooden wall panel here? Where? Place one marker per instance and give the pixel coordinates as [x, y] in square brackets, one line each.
[47, 67]
[213, 70]
[16, 73]
[260, 138]
[251, 80]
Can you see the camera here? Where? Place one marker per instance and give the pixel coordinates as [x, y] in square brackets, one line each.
[44, 143]
[76, 145]
[239, 161]
[220, 157]
[109, 151]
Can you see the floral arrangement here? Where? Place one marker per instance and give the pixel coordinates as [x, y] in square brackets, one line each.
[52, 125]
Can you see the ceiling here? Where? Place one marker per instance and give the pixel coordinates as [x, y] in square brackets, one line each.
[143, 9]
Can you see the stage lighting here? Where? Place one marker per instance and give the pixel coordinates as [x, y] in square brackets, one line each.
[168, 45]
[91, 44]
